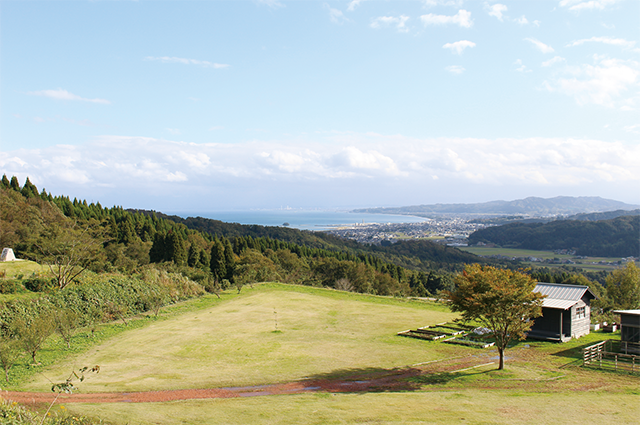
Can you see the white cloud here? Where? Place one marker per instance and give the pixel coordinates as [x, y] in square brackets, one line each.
[553, 61]
[459, 46]
[206, 64]
[606, 40]
[496, 10]
[353, 4]
[455, 69]
[274, 4]
[372, 166]
[578, 5]
[174, 131]
[454, 3]
[462, 18]
[603, 83]
[61, 94]
[520, 66]
[632, 129]
[385, 21]
[540, 45]
[336, 16]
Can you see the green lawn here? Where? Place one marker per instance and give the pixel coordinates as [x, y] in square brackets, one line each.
[209, 343]
[13, 269]
[430, 407]
[586, 264]
[233, 343]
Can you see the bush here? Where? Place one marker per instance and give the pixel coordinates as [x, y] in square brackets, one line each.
[39, 284]
[11, 286]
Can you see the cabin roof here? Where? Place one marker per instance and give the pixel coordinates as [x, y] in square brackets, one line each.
[562, 296]
[631, 312]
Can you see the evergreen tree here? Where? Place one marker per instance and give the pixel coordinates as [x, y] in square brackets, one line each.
[14, 184]
[230, 262]
[157, 253]
[193, 258]
[217, 262]
[5, 182]
[177, 249]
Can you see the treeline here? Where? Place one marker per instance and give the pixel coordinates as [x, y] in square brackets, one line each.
[617, 237]
[422, 255]
[224, 255]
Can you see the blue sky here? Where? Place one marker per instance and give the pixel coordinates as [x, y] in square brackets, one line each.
[220, 105]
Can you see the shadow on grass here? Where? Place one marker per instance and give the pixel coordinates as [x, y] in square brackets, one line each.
[367, 380]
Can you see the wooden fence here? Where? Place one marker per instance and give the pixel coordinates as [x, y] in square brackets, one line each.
[612, 355]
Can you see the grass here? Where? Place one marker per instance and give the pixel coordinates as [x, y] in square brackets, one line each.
[435, 407]
[233, 343]
[13, 269]
[207, 343]
[585, 263]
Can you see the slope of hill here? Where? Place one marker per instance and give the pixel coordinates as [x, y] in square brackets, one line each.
[618, 237]
[530, 206]
[418, 255]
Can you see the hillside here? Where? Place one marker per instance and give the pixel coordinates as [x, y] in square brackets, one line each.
[618, 237]
[530, 206]
[421, 255]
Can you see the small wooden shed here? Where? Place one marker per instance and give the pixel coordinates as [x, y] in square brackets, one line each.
[630, 329]
[566, 312]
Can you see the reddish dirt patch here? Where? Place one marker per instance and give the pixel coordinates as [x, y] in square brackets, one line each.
[393, 380]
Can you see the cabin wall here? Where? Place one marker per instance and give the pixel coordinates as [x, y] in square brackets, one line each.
[629, 328]
[580, 319]
[548, 322]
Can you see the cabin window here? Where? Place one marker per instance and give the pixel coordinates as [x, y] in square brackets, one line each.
[581, 312]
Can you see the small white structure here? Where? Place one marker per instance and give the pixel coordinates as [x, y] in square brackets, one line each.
[7, 255]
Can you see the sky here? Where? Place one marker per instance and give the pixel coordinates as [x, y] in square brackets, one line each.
[231, 105]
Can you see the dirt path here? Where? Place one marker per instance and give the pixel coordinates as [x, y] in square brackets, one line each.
[389, 380]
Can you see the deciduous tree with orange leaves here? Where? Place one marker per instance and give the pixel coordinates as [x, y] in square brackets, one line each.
[499, 299]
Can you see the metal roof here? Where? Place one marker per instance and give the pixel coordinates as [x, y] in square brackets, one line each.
[633, 312]
[561, 296]
[559, 304]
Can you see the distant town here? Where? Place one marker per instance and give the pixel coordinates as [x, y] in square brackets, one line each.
[452, 231]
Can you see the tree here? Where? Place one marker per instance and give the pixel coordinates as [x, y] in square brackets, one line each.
[10, 351]
[67, 251]
[499, 299]
[32, 335]
[623, 287]
[217, 261]
[66, 322]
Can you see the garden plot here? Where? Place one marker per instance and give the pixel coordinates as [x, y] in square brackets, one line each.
[453, 333]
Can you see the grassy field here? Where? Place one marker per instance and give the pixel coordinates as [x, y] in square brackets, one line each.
[235, 342]
[13, 269]
[587, 264]
[471, 406]
[209, 343]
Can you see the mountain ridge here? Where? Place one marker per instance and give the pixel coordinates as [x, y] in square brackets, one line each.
[529, 206]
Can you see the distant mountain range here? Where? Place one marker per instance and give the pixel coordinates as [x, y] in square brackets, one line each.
[531, 206]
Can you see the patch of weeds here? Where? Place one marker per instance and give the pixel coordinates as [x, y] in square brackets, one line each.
[502, 374]
[276, 332]
[323, 395]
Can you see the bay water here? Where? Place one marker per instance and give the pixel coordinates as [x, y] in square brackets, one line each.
[301, 219]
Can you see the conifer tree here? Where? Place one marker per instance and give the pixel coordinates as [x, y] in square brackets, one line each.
[230, 262]
[217, 262]
[193, 258]
[14, 184]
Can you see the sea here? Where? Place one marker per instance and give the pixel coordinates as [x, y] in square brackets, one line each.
[317, 220]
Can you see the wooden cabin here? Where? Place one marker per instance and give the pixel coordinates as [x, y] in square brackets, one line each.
[629, 330]
[566, 312]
